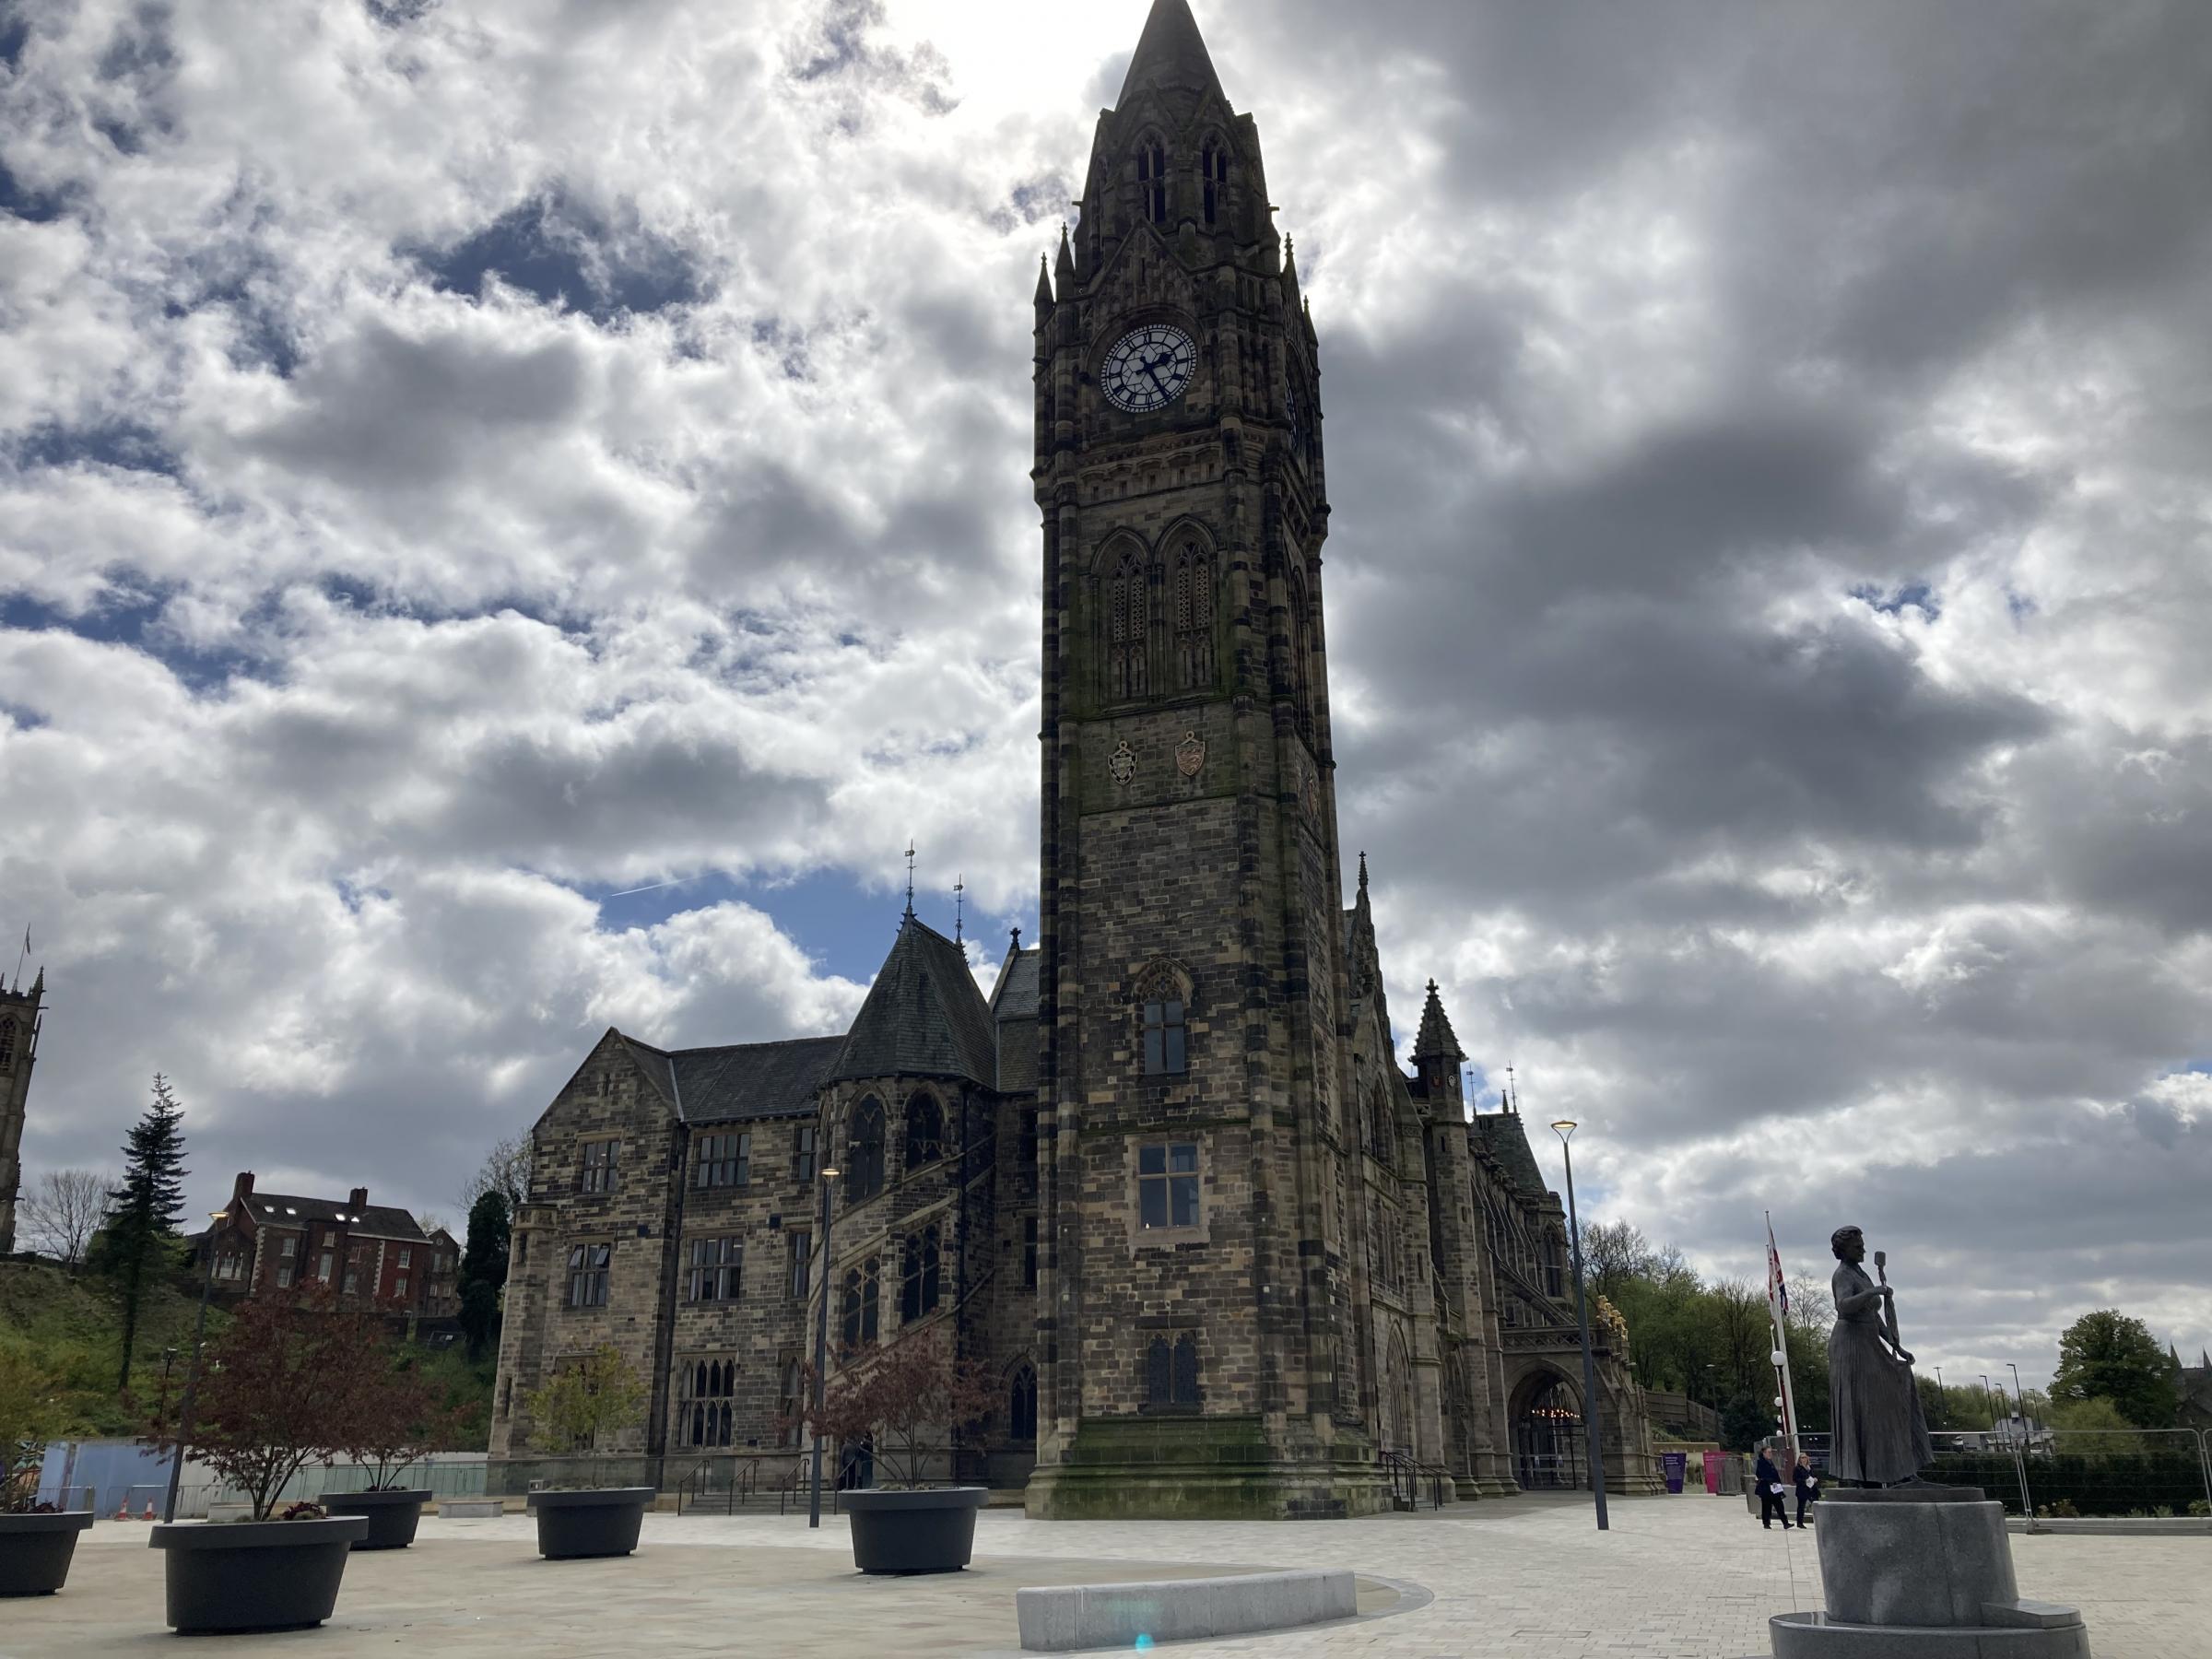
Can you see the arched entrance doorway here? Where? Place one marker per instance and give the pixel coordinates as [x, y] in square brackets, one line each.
[1394, 1402]
[1547, 1421]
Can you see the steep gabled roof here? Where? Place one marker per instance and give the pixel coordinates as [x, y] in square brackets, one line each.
[1501, 1133]
[1015, 995]
[752, 1079]
[1170, 54]
[923, 1017]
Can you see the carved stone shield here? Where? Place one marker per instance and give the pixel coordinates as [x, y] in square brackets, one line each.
[1190, 754]
[1121, 763]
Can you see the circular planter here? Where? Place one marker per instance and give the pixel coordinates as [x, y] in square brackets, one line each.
[392, 1513]
[579, 1525]
[255, 1575]
[35, 1551]
[913, 1532]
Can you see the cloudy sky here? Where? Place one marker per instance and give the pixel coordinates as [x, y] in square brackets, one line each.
[461, 462]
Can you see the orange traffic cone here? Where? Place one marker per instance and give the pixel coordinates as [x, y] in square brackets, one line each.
[123, 1508]
[150, 1510]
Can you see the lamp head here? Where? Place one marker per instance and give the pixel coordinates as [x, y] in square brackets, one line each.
[830, 1171]
[1564, 1127]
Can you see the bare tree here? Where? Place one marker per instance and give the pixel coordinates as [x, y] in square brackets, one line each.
[62, 1213]
[505, 1170]
[1614, 1252]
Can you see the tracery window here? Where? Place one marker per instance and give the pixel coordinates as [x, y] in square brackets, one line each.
[1021, 1404]
[1152, 179]
[921, 1284]
[865, 1178]
[1379, 1140]
[862, 1285]
[1128, 629]
[1213, 171]
[1194, 618]
[924, 1132]
[704, 1405]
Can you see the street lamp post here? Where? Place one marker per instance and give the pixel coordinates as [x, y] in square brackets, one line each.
[191, 1376]
[821, 1354]
[1943, 1401]
[1591, 1425]
[2020, 1393]
[1988, 1402]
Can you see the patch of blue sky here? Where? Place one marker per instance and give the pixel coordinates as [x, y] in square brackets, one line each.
[14, 34]
[133, 617]
[565, 255]
[1913, 595]
[844, 927]
[125, 445]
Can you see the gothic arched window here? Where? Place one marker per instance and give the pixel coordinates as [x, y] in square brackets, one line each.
[703, 1411]
[1128, 629]
[1213, 170]
[921, 1284]
[924, 1131]
[1021, 1404]
[7, 1045]
[862, 1285]
[1300, 652]
[1379, 1137]
[1152, 178]
[866, 1174]
[1194, 618]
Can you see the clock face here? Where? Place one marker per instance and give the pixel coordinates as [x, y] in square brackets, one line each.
[1148, 367]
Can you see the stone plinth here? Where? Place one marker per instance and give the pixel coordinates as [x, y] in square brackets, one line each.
[1918, 1573]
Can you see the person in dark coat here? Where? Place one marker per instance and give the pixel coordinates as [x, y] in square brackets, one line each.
[1769, 1480]
[1807, 1484]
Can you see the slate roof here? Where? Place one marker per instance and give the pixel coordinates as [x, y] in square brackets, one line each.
[376, 1220]
[1171, 53]
[738, 1080]
[1014, 1006]
[923, 1017]
[1501, 1134]
[1015, 995]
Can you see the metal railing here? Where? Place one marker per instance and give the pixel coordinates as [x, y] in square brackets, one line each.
[1409, 1479]
[2053, 1473]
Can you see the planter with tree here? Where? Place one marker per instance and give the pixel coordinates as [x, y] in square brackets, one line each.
[36, 1539]
[907, 1402]
[273, 1397]
[396, 1417]
[598, 1394]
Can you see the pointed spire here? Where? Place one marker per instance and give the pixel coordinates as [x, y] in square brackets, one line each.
[1290, 260]
[1363, 874]
[1436, 1039]
[1064, 268]
[1044, 279]
[1169, 53]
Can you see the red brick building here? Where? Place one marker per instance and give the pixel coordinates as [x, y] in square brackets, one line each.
[274, 1242]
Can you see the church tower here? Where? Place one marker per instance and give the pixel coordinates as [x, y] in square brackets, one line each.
[18, 1048]
[1198, 1312]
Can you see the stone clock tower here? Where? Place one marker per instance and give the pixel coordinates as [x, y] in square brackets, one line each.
[1200, 1323]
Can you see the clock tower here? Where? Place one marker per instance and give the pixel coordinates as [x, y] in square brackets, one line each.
[1201, 1325]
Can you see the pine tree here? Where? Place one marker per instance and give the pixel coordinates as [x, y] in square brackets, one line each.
[484, 1271]
[146, 1211]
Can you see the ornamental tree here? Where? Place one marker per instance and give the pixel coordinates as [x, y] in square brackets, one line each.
[600, 1393]
[277, 1390]
[395, 1415]
[908, 1400]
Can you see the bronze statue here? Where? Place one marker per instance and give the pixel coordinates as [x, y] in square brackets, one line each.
[1880, 1431]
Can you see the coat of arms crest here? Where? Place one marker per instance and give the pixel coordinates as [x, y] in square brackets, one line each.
[1190, 754]
[1121, 763]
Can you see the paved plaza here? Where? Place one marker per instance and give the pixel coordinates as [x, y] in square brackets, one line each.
[1677, 1578]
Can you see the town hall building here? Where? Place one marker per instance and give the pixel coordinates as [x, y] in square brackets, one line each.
[1169, 1180]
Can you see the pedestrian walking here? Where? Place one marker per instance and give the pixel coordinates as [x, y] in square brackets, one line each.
[1769, 1480]
[1807, 1484]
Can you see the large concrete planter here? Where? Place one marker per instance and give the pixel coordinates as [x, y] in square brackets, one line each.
[913, 1532]
[579, 1525]
[35, 1551]
[255, 1575]
[392, 1513]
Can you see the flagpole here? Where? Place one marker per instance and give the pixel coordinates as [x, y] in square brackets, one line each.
[1777, 1313]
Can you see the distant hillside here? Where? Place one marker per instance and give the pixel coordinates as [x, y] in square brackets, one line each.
[70, 1326]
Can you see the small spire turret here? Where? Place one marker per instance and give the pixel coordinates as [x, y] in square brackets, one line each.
[1044, 281]
[1064, 268]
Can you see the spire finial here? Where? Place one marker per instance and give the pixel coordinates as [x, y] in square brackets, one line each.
[1510, 1099]
[960, 901]
[1363, 872]
[910, 875]
[1017, 940]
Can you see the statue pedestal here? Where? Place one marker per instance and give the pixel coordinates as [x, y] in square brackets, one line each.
[1918, 1573]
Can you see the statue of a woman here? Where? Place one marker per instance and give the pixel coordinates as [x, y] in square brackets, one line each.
[1881, 1433]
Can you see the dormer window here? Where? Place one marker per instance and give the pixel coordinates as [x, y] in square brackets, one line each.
[1152, 179]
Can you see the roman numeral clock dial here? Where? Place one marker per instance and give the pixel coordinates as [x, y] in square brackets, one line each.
[1148, 367]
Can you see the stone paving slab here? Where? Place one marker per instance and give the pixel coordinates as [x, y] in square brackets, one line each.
[1689, 1577]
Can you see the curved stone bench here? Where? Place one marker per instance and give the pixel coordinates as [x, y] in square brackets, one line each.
[1057, 1620]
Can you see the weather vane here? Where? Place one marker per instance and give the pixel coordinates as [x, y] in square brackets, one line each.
[910, 875]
